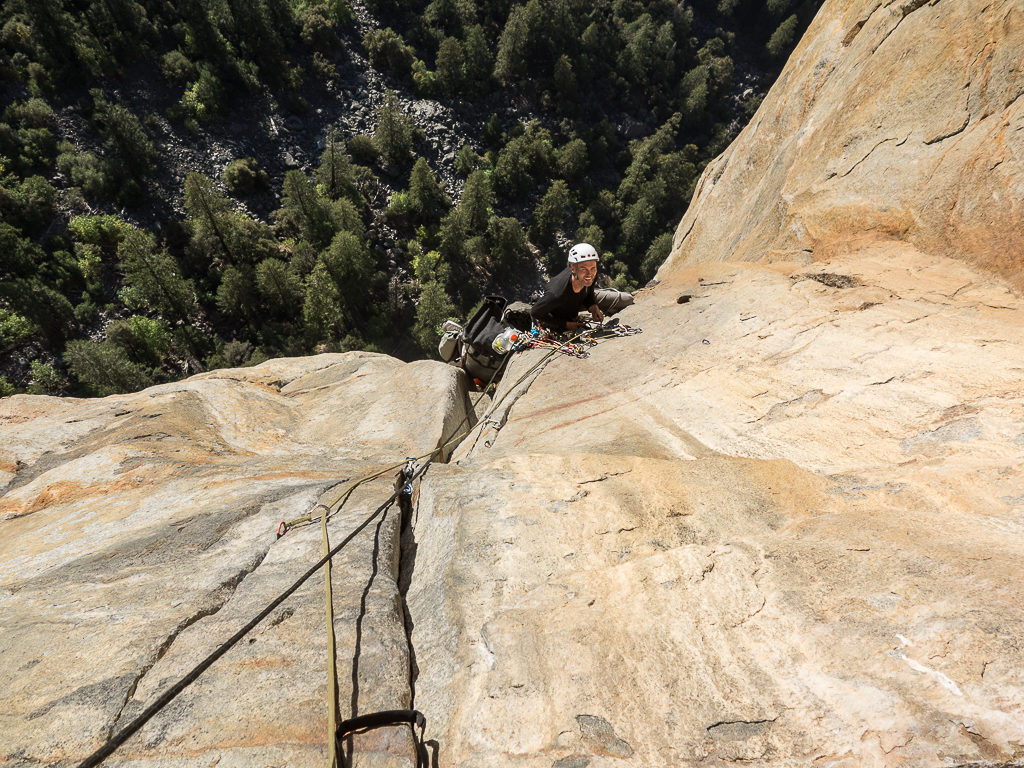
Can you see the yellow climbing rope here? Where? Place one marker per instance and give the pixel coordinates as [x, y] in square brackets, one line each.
[332, 656]
[335, 505]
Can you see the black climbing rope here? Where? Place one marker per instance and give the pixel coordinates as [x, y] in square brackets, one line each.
[408, 476]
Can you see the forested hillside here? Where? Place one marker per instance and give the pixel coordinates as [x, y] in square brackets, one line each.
[190, 185]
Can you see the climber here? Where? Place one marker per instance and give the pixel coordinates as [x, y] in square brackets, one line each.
[572, 291]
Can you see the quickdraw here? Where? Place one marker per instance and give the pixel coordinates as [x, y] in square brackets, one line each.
[611, 329]
[404, 483]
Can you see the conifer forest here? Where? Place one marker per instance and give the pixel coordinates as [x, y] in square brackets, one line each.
[199, 184]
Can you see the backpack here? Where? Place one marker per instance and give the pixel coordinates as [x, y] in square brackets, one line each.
[478, 357]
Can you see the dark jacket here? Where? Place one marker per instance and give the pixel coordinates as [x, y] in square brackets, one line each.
[560, 304]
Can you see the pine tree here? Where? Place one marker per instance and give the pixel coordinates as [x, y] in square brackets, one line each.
[244, 177]
[452, 240]
[210, 213]
[387, 50]
[339, 299]
[279, 287]
[426, 198]
[261, 28]
[31, 204]
[19, 256]
[15, 329]
[777, 7]
[104, 368]
[510, 62]
[147, 341]
[571, 159]
[350, 266]
[153, 280]
[512, 171]
[323, 314]
[507, 244]
[479, 61]
[477, 201]
[124, 135]
[304, 212]
[565, 81]
[523, 161]
[466, 161]
[655, 256]
[433, 308]
[646, 157]
[451, 64]
[346, 218]
[782, 38]
[550, 213]
[335, 176]
[637, 229]
[48, 309]
[444, 16]
[394, 134]
[236, 294]
[45, 379]
[54, 29]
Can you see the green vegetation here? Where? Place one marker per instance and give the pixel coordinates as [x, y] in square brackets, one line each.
[368, 247]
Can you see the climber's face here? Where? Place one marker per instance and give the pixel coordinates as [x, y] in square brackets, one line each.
[585, 272]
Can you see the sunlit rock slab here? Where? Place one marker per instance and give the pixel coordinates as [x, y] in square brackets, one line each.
[612, 610]
[140, 533]
[783, 525]
[892, 120]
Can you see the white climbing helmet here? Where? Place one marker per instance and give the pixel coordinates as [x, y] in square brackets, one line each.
[582, 252]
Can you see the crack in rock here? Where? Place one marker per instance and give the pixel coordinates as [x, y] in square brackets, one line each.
[856, 28]
[573, 761]
[869, 153]
[904, 10]
[605, 476]
[950, 133]
[619, 530]
[748, 617]
[219, 598]
[832, 280]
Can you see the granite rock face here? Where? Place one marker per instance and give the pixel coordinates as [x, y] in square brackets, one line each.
[783, 526]
[140, 534]
[894, 120]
